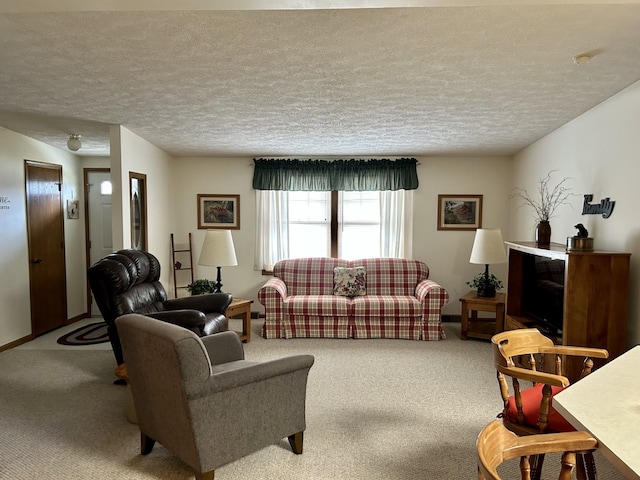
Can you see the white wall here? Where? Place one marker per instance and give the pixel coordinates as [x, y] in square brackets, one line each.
[600, 151]
[131, 153]
[15, 309]
[191, 176]
[446, 253]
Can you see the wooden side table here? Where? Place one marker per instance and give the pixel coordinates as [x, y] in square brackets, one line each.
[241, 306]
[481, 327]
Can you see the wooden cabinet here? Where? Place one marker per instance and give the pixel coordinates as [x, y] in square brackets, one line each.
[594, 293]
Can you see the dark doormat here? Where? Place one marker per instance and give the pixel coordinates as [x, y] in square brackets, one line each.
[87, 335]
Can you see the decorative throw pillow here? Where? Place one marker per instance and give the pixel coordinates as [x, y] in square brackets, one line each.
[349, 282]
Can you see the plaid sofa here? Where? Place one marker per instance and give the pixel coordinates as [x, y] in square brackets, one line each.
[400, 301]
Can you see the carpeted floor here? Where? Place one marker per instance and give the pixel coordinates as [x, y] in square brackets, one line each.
[376, 409]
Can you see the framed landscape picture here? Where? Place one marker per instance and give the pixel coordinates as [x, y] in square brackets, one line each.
[459, 212]
[218, 211]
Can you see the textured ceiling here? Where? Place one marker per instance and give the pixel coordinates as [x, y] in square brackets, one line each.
[478, 80]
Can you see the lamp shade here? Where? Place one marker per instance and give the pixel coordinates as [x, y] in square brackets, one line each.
[218, 250]
[488, 247]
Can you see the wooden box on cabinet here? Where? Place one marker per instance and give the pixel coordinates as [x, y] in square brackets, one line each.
[595, 297]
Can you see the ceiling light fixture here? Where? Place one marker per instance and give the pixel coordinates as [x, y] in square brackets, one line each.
[74, 142]
[582, 58]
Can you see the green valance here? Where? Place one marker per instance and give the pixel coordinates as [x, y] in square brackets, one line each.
[340, 175]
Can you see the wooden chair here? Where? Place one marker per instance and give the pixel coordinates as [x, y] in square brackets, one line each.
[496, 445]
[527, 355]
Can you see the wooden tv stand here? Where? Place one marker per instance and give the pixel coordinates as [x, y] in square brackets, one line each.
[596, 298]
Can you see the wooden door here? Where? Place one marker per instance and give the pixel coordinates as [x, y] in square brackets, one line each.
[45, 230]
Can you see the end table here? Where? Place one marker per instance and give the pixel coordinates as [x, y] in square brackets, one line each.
[241, 306]
[484, 328]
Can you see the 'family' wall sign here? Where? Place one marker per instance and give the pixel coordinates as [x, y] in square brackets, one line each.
[605, 207]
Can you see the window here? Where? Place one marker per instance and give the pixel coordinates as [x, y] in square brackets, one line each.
[372, 217]
[348, 225]
[359, 225]
[106, 188]
[309, 224]
[355, 221]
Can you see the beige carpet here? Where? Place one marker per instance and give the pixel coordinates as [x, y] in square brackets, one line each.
[376, 409]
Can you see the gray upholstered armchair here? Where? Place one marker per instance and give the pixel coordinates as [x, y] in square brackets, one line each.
[203, 401]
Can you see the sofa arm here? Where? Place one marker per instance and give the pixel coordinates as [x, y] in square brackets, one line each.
[274, 290]
[431, 293]
[207, 303]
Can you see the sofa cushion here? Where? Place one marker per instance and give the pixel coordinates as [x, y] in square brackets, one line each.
[308, 276]
[316, 305]
[392, 276]
[349, 281]
[387, 306]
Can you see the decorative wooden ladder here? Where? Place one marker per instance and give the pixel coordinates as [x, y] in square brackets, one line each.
[178, 266]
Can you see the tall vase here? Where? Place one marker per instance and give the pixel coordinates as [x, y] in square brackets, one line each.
[543, 234]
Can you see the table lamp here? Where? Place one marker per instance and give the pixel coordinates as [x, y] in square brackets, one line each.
[488, 248]
[218, 251]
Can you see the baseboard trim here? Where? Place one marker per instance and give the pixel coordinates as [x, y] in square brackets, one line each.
[16, 343]
[76, 318]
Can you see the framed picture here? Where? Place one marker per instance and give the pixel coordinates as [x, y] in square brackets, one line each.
[218, 211]
[459, 212]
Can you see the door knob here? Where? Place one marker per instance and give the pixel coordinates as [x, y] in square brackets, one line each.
[36, 260]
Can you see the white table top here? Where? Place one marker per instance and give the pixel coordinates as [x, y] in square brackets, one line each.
[606, 403]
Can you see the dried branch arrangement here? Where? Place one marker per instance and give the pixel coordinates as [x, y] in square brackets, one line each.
[550, 198]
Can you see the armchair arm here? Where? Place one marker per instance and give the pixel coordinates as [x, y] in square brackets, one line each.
[253, 373]
[576, 351]
[553, 442]
[223, 347]
[534, 376]
[207, 303]
[191, 319]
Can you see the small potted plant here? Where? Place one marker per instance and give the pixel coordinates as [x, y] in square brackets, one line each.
[200, 286]
[486, 285]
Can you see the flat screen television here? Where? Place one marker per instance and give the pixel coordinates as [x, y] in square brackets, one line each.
[543, 291]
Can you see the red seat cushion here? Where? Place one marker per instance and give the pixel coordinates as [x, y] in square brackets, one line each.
[531, 398]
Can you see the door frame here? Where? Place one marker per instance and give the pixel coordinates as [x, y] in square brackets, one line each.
[87, 238]
[141, 222]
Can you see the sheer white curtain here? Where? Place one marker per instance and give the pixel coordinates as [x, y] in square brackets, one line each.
[272, 228]
[396, 223]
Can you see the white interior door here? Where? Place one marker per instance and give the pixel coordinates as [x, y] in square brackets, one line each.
[100, 228]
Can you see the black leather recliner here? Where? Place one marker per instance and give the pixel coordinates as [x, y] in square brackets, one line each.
[128, 282]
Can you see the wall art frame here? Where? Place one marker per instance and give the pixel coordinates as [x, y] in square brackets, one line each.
[459, 212]
[218, 211]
